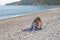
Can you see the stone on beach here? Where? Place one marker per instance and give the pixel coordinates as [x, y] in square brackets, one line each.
[10, 29]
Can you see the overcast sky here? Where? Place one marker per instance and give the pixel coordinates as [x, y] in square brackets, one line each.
[2, 2]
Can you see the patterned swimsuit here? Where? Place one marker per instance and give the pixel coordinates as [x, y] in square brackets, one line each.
[32, 27]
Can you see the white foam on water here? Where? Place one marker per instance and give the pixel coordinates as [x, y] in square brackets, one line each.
[53, 9]
[27, 13]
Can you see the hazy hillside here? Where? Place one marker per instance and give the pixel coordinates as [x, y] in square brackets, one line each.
[36, 2]
[23, 2]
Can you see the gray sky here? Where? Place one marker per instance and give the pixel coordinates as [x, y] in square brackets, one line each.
[2, 2]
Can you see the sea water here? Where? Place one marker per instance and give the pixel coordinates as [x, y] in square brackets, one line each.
[9, 11]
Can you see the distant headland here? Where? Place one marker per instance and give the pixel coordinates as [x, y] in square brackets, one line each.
[36, 2]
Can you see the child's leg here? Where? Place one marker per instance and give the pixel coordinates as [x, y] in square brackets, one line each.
[28, 29]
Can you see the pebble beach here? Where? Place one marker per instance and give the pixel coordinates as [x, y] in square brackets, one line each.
[10, 28]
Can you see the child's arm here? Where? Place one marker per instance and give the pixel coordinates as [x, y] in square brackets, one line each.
[39, 25]
[34, 24]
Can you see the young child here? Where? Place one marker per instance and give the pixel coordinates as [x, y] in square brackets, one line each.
[36, 25]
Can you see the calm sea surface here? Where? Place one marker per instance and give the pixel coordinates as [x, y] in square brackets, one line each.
[9, 11]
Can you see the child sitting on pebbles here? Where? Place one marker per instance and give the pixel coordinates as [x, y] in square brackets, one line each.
[36, 25]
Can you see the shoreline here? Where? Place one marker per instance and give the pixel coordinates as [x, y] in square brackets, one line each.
[28, 14]
[10, 29]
